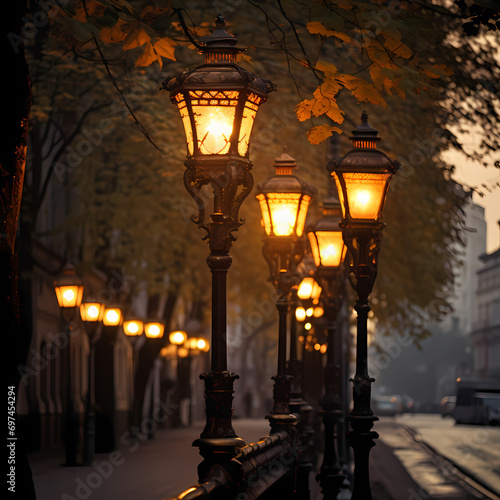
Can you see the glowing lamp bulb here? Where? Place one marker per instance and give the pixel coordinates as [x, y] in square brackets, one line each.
[283, 220]
[93, 312]
[201, 344]
[362, 197]
[69, 295]
[112, 316]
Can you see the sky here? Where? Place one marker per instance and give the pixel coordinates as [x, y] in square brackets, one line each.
[472, 174]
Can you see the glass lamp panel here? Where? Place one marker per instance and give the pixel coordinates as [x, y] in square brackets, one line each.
[133, 328]
[92, 311]
[314, 248]
[331, 248]
[340, 192]
[154, 330]
[300, 314]
[214, 116]
[365, 194]
[305, 288]
[249, 113]
[186, 122]
[316, 291]
[177, 338]
[301, 218]
[112, 316]
[266, 219]
[69, 295]
[283, 208]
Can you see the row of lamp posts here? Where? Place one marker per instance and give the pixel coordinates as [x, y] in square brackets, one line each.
[69, 289]
[218, 102]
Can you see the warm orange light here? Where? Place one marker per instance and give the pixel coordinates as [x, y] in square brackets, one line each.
[182, 352]
[327, 247]
[112, 316]
[309, 312]
[214, 127]
[317, 347]
[318, 312]
[133, 327]
[309, 289]
[92, 311]
[323, 349]
[69, 295]
[177, 338]
[365, 193]
[154, 329]
[307, 326]
[202, 345]
[300, 314]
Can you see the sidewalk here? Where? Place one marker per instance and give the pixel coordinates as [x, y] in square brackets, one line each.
[148, 470]
[473, 449]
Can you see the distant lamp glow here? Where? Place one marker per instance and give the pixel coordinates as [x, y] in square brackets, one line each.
[154, 329]
[69, 288]
[177, 338]
[323, 348]
[133, 327]
[317, 347]
[309, 312]
[300, 314]
[284, 199]
[318, 312]
[182, 352]
[309, 289]
[92, 312]
[112, 316]
[202, 345]
[307, 326]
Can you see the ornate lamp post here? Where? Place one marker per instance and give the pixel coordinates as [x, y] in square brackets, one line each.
[328, 249]
[362, 177]
[69, 293]
[218, 102]
[91, 313]
[284, 200]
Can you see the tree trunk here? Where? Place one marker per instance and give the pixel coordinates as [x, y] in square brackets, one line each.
[16, 107]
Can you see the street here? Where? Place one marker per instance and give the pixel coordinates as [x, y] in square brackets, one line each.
[400, 468]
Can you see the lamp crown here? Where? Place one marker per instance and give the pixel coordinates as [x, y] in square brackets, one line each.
[220, 46]
[285, 164]
[365, 136]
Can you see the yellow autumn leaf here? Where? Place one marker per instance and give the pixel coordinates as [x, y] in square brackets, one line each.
[165, 47]
[330, 87]
[317, 28]
[136, 38]
[147, 57]
[303, 110]
[113, 34]
[395, 45]
[321, 132]
[335, 113]
[327, 68]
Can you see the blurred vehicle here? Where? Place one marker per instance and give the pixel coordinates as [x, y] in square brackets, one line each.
[408, 404]
[447, 406]
[478, 401]
[387, 405]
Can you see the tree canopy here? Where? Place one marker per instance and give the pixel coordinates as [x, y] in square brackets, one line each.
[107, 134]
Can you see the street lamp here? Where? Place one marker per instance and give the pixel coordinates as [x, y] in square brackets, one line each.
[218, 102]
[284, 200]
[362, 177]
[154, 329]
[329, 250]
[91, 312]
[69, 292]
[133, 329]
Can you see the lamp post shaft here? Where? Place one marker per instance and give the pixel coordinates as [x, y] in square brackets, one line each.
[219, 265]
[89, 425]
